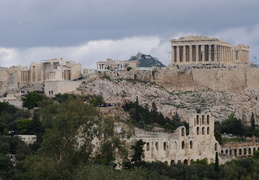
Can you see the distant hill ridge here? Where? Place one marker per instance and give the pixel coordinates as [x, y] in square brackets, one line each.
[146, 60]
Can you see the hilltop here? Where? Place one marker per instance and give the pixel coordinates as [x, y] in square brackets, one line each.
[146, 60]
[219, 103]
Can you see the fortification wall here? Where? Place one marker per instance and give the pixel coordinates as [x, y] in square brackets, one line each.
[218, 79]
[60, 86]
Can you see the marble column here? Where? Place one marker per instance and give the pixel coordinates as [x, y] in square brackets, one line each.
[197, 53]
[184, 53]
[172, 54]
[203, 53]
[178, 53]
[210, 53]
[190, 53]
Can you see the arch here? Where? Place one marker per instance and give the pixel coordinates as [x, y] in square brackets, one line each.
[235, 152]
[244, 151]
[240, 151]
[198, 130]
[197, 118]
[166, 162]
[191, 144]
[172, 162]
[182, 131]
[179, 161]
[226, 151]
[182, 144]
[185, 161]
[258, 148]
[208, 130]
[230, 152]
[192, 161]
[208, 119]
[202, 119]
[254, 150]
[148, 147]
[165, 145]
[222, 152]
[202, 130]
[249, 151]
[156, 144]
[216, 146]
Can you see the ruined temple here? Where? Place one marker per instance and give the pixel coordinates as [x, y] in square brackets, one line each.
[193, 50]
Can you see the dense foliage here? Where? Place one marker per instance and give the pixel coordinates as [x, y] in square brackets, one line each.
[142, 117]
[66, 127]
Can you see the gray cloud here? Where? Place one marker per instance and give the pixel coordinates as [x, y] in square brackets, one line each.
[35, 24]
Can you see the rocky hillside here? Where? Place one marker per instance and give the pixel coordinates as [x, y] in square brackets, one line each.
[219, 104]
[146, 60]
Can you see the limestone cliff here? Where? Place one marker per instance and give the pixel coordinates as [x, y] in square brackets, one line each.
[219, 103]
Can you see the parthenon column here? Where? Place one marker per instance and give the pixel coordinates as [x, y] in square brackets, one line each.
[203, 53]
[190, 53]
[184, 53]
[197, 53]
[216, 53]
[173, 54]
[178, 53]
[210, 53]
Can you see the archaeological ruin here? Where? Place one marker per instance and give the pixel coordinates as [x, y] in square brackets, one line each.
[116, 65]
[194, 50]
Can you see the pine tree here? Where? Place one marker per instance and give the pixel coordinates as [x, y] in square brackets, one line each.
[252, 122]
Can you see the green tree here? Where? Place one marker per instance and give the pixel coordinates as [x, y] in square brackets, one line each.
[233, 125]
[216, 162]
[23, 125]
[69, 131]
[218, 136]
[137, 115]
[138, 152]
[252, 122]
[32, 100]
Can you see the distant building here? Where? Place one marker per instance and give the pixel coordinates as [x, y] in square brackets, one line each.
[193, 50]
[116, 65]
[54, 69]
[28, 139]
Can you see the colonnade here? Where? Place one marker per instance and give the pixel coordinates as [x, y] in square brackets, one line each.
[25, 76]
[204, 53]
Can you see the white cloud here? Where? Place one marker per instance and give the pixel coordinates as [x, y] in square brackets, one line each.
[90, 52]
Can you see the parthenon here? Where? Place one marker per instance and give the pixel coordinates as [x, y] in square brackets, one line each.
[191, 50]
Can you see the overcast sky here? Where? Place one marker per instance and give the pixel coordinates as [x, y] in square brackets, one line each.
[88, 31]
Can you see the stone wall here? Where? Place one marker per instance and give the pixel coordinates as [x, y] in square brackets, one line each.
[175, 147]
[218, 79]
[60, 86]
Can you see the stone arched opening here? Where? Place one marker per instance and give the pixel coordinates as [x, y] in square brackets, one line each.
[249, 151]
[208, 119]
[226, 151]
[198, 130]
[182, 144]
[156, 145]
[235, 152]
[183, 131]
[244, 151]
[202, 119]
[203, 130]
[172, 162]
[148, 147]
[197, 119]
[208, 130]
[240, 152]
[165, 145]
[216, 147]
[191, 144]
[185, 161]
